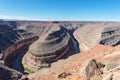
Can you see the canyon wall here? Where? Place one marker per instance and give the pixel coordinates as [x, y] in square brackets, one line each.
[54, 45]
[50, 47]
[95, 64]
[11, 42]
[111, 36]
[19, 48]
[9, 74]
[93, 34]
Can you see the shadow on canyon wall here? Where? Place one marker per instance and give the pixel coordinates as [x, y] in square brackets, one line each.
[74, 41]
[14, 60]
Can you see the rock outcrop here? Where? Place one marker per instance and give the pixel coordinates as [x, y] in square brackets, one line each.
[111, 36]
[50, 47]
[102, 33]
[9, 74]
[82, 66]
[89, 69]
[55, 43]
[42, 27]
[88, 36]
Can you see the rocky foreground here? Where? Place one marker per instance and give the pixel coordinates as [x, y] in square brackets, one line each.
[59, 50]
[100, 63]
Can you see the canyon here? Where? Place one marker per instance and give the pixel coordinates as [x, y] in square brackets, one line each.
[60, 50]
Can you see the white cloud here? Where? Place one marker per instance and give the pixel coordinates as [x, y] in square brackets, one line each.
[17, 17]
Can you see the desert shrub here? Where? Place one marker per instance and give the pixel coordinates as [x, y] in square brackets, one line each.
[27, 70]
[111, 65]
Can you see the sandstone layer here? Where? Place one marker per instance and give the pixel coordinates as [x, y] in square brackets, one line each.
[111, 36]
[48, 48]
[102, 33]
[56, 42]
[9, 74]
[83, 66]
[13, 42]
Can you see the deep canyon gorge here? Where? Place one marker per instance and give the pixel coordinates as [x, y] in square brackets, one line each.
[59, 50]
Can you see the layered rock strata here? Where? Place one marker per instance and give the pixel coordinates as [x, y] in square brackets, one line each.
[88, 36]
[42, 27]
[90, 65]
[9, 74]
[111, 36]
[92, 34]
[49, 48]
[12, 42]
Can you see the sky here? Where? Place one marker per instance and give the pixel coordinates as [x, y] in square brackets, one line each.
[61, 10]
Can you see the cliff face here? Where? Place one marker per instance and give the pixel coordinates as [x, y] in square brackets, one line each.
[11, 53]
[50, 47]
[9, 74]
[88, 36]
[111, 36]
[56, 43]
[94, 64]
[12, 40]
[44, 26]
[91, 34]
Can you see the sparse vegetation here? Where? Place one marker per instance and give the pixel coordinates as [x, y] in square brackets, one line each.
[111, 65]
[28, 70]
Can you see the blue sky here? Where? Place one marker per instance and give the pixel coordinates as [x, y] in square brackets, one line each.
[71, 10]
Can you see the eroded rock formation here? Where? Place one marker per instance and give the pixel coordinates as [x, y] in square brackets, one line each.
[92, 34]
[88, 36]
[83, 67]
[55, 42]
[89, 69]
[13, 42]
[9, 74]
[111, 36]
[49, 48]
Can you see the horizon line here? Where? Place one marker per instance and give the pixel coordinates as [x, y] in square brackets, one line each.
[23, 18]
[1, 19]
